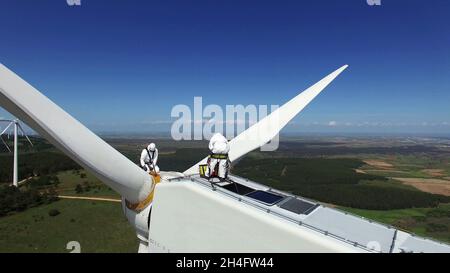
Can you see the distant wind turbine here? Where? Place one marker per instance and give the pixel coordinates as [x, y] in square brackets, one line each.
[17, 128]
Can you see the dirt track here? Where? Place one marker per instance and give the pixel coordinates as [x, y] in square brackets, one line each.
[434, 172]
[378, 163]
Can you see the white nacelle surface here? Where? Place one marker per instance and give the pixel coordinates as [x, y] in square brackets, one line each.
[187, 217]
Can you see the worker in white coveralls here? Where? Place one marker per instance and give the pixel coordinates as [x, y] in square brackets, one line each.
[218, 163]
[149, 158]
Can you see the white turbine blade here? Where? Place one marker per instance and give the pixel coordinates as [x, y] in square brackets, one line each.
[269, 127]
[66, 133]
[6, 144]
[23, 134]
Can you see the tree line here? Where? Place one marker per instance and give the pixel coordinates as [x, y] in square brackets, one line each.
[35, 164]
[13, 199]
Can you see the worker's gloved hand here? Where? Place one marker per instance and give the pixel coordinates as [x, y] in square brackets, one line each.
[145, 168]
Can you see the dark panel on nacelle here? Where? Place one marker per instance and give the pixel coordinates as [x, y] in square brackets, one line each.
[298, 206]
[265, 197]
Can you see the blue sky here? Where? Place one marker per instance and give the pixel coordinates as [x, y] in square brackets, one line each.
[122, 65]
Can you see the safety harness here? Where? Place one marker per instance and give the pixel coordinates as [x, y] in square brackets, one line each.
[218, 156]
[214, 170]
[150, 156]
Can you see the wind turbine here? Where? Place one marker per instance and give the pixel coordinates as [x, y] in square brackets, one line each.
[17, 127]
[180, 212]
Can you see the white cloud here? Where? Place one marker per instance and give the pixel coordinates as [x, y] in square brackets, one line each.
[332, 123]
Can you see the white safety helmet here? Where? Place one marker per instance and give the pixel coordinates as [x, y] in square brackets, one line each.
[151, 147]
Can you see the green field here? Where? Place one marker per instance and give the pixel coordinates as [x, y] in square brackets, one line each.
[70, 179]
[97, 226]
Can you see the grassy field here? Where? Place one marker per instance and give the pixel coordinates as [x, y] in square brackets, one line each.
[411, 166]
[97, 226]
[70, 179]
